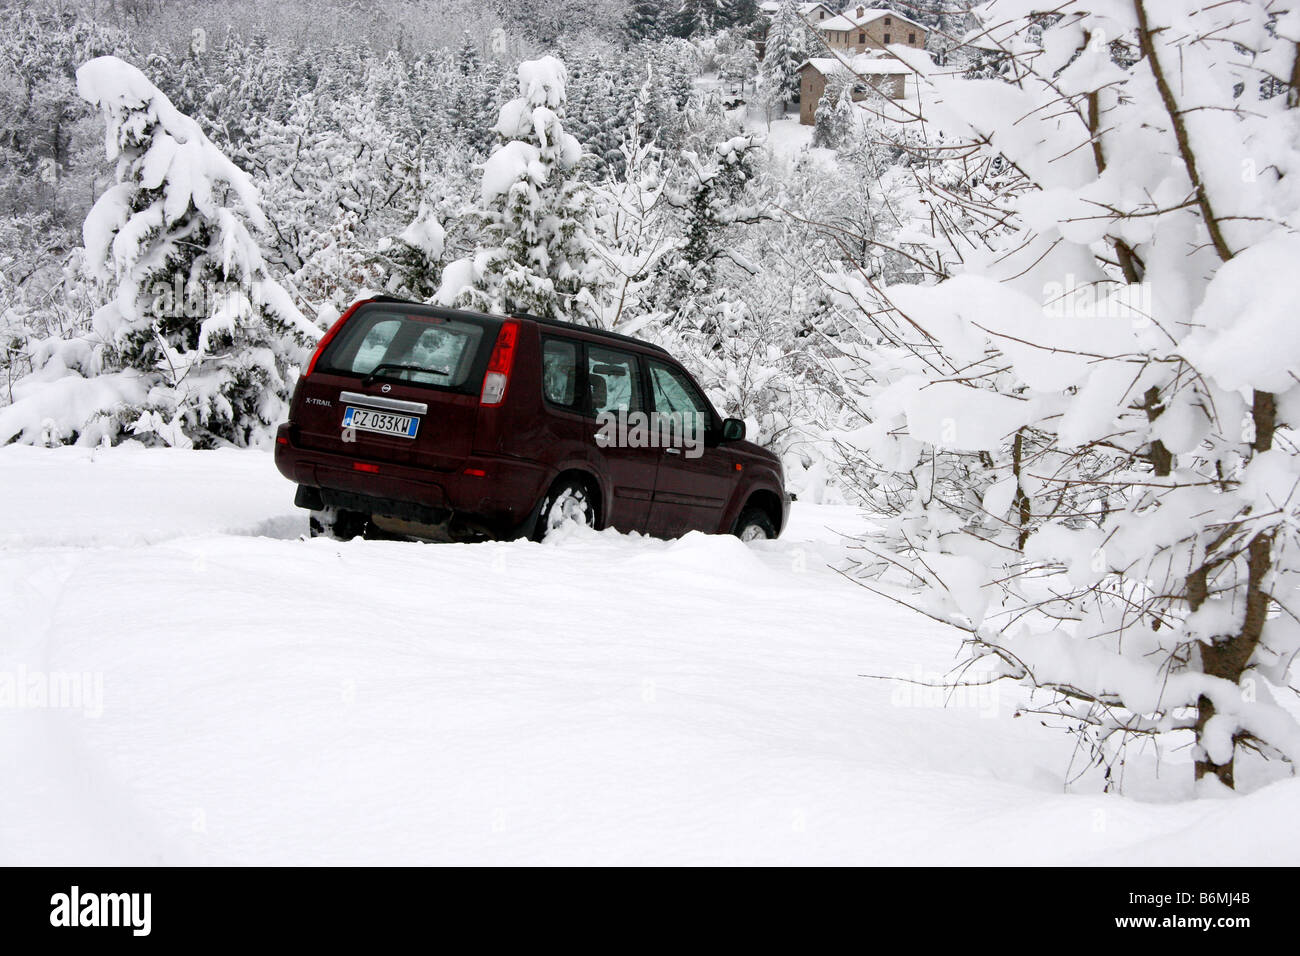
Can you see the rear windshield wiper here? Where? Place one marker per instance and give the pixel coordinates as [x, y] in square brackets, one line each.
[374, 372]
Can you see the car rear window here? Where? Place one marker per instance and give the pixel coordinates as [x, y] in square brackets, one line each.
[401, 345]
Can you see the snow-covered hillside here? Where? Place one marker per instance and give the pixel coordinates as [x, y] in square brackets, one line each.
[603, 699]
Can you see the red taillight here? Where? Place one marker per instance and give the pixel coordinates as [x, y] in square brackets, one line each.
[333, 331]
[476, 472]
[499, 365]
[366, 467]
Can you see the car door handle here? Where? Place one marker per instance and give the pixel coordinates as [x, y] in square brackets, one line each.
[672, 451]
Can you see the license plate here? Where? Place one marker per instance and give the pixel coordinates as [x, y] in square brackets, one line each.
[385, 423]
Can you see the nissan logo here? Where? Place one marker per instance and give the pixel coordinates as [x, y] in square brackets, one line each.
[386, 388]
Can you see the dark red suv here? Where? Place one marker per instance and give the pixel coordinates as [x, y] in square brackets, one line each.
[418, 421]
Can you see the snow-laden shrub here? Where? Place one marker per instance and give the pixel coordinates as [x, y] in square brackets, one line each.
[195, 343]
[1079, 428]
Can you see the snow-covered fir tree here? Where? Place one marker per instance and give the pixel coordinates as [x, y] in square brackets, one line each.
[468, 60]
[648, 20]
[699, 17]
[195, 344]
[531, 225]
[836, 117]
[784, 50]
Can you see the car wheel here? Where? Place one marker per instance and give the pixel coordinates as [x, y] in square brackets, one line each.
[755, 525]
[339, 524]
[569, 501]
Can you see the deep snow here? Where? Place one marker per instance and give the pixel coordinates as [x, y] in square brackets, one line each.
[603, 699]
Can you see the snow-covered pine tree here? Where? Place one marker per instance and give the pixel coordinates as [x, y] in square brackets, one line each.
[531, 225]
[416, 254]
[736, 58]
[699, 17]
[666, 89]
[647, 20]
[712, 196]
[598, 111]
[196, 343]
[742, 14]
[783, 53]
[828, 132]
[714, 199]
[470, 104]
[468, 59]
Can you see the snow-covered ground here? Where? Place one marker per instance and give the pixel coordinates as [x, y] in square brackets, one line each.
[250, 697]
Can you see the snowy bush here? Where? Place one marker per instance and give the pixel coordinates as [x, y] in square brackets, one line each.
[1079, 426]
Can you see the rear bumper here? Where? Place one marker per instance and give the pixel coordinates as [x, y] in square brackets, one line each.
[496, 494]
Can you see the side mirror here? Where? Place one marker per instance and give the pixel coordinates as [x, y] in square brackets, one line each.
[733, 429]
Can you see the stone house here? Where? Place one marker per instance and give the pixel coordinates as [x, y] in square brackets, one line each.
[883, 75]
[862, 29]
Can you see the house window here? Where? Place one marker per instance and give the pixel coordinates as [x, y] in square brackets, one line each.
[886, 37]
[888, 21]
[911, 38]
[862, 38]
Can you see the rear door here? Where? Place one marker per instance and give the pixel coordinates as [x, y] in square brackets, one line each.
[398, 383]
[615, 403]
[695, 478]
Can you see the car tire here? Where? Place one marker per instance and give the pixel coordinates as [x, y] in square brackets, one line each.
[755, 525]
[569, 500]
[338, 524]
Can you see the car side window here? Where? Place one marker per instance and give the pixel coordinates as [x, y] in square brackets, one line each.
[560, 372]
[674, 394]
[613, 380]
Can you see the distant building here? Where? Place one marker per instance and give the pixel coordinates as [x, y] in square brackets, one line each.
[814, 13]
[884, 75]
[861, 29]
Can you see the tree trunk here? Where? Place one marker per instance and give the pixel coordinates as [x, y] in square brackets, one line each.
[1229, 658]
[1023, 511]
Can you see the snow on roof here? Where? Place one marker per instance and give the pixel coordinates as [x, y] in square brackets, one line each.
[864, 64]
[805, 9]
[850, 19]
